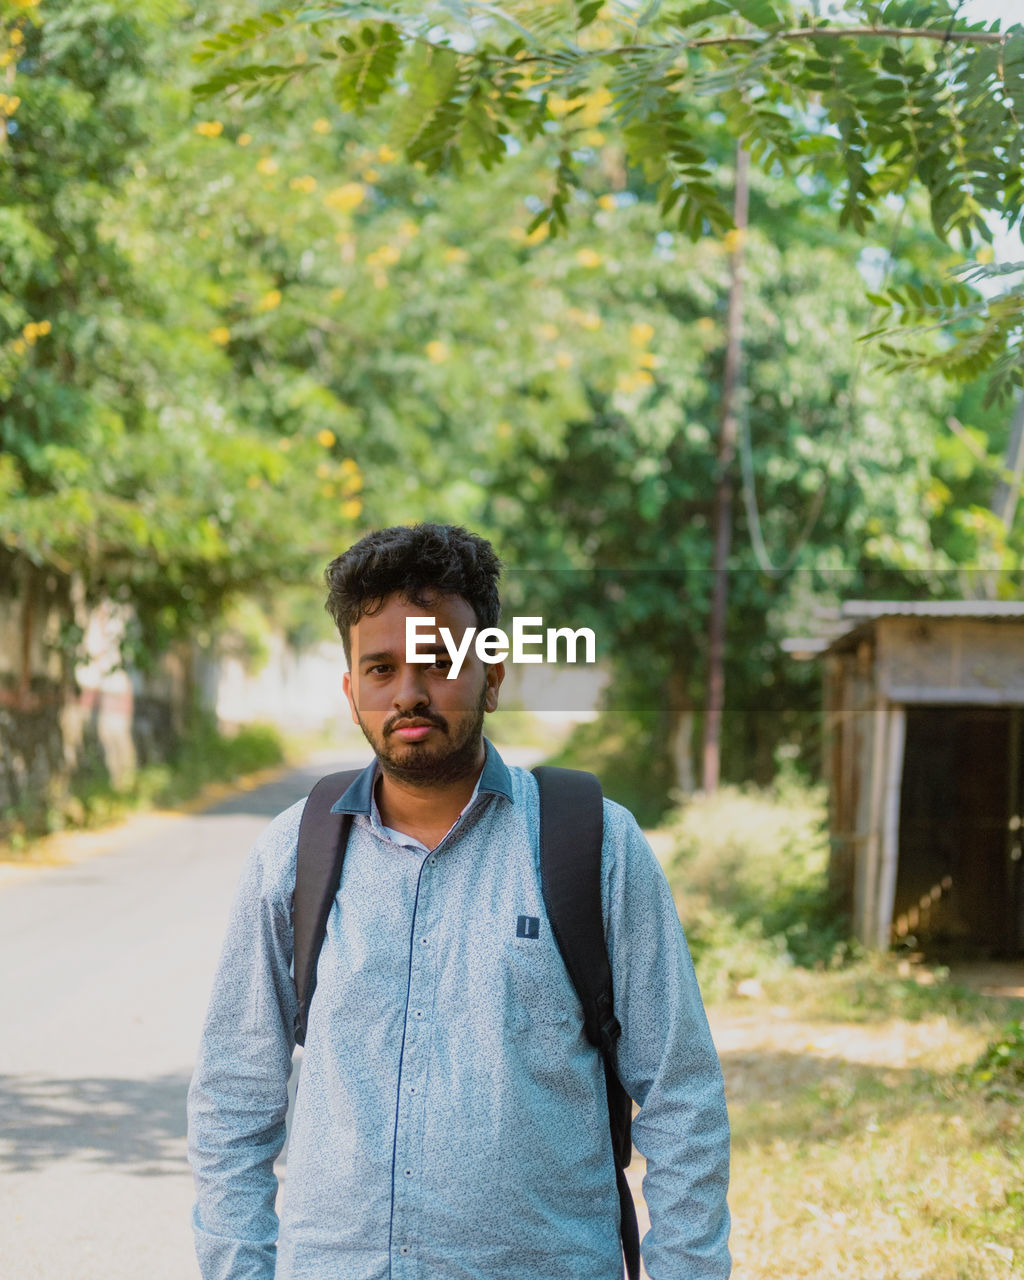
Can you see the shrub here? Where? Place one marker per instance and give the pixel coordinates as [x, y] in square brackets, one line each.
[752, 867]
[999, 1070]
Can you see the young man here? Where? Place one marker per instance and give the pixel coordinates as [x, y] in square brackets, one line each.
[451, 1121]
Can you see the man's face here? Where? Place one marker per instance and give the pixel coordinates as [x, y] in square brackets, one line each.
[423, 727]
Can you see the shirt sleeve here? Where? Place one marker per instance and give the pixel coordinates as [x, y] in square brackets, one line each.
[667, 1062]
[238, 1097]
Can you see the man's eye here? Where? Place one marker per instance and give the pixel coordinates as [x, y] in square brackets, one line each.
[380, 668]
[442, 663]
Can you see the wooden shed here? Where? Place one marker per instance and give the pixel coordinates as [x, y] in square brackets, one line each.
[924, 719]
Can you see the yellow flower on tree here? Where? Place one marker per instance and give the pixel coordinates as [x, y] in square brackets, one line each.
[244, 139]
[387, 255]
[305, 184]
[548, 332]
[595, 106]
[608, 201]
[454, 254]
[559, 107]
[589, 320]
[210, 128]
[588, 258]
[641, 333]
[437, 351]
[352, 509]
[563, 359]
[385, 155]
[346, 197]
[326, 437]
[321, 125]
[267, 165]
[221, 335]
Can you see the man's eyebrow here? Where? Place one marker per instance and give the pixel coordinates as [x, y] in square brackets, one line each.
[385, 655]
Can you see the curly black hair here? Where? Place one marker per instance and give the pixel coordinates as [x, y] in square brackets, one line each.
[410, 561]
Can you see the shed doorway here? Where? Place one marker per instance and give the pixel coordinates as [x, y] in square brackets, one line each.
[960, 873]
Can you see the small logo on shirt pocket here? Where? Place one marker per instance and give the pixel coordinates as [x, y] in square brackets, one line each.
[527, 927]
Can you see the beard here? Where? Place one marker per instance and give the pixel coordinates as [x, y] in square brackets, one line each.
[454, 757]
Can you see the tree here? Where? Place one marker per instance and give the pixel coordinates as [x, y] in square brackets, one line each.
[891, 95]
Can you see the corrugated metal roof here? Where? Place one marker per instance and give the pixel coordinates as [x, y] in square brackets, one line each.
[836, 626]
[864, 610]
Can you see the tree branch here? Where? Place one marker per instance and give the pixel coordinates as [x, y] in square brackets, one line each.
[839, 33]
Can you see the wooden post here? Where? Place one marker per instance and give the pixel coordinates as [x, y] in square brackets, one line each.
[868, 929]
[896, 735]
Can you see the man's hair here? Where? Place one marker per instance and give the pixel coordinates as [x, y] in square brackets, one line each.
[411, 562]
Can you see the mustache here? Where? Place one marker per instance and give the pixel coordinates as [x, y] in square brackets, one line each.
[401, 721]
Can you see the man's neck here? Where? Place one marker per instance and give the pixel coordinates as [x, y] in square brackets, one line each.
[427, 812]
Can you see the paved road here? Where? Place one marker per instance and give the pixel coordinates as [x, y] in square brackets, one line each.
[106, 969]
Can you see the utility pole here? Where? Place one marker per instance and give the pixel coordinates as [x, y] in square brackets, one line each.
[727, 437]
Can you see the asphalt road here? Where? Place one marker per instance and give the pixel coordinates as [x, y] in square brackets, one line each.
[107, 965]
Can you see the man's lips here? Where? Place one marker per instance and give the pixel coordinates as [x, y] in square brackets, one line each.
[413, 732]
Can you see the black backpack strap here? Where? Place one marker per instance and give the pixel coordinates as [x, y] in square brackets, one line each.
[322, 839]
[571, 834]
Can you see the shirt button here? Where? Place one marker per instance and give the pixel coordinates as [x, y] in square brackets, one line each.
[418, 1013]
[423, 942]
[404, 1250]
[433, 862]
[412, 1088]
[407, 1172]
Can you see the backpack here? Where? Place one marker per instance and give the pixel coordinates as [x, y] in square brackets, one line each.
[571, 831]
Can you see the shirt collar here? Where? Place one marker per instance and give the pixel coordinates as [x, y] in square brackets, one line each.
[495, 779]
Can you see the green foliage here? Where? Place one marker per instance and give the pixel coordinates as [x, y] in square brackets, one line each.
[202, 757]
[750, 873]
[890, 96]
[623, 750]
[999, 1070]
[914, 323]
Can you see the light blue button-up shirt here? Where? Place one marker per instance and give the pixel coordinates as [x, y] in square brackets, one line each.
[451, 1121]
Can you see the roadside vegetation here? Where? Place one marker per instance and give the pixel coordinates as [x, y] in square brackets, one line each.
[203, 757]
[875, 1101]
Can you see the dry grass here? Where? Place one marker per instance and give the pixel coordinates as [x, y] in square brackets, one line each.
[859, 1150]
[859, 1155]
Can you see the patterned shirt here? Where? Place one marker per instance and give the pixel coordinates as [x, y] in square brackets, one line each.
[451, 1121]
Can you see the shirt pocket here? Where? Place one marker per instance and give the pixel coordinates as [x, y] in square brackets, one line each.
[538, 987]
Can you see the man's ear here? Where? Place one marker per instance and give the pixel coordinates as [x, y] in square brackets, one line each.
[346, 684]
[495, 675]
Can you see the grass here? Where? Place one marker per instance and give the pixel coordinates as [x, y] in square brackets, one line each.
[875, 1104]
[860, 1155]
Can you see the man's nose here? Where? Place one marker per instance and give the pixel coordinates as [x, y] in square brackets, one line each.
[411, 689]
